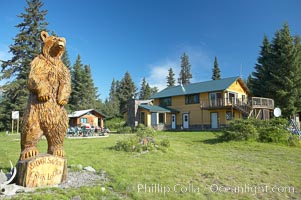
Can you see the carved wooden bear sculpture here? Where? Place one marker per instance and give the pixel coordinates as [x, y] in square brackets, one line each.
[50, 87]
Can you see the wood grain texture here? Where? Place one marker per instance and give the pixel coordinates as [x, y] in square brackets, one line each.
[50, 86]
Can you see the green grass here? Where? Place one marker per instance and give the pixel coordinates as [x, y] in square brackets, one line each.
[196, 161]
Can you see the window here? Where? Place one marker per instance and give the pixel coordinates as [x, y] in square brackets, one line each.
[165, 101]
[229, 115]
[83, 120]
[142, 117]
[161, 118]
[192, 99]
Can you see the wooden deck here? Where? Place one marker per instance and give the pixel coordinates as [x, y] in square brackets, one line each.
[244, 104]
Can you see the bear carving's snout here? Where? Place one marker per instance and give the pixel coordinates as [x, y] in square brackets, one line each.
[61, 44]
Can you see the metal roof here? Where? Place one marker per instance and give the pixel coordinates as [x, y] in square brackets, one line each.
[83, 112]
[195, 88]
[155, 108]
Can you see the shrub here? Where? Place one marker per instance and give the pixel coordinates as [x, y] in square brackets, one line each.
[146, 132]
[240, 130]
[294, 140]
[142, 141]
[115, 123]
[274, 130]
[124, 129]
[165, 143]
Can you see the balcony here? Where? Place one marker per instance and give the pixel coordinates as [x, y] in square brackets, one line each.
[245, 105]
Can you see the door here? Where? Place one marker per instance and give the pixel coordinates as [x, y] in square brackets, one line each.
[154, 119]
[173, 121]
[214, 120]
[186, 120]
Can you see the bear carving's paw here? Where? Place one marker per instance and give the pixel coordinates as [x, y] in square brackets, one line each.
[29, 153]
[58, 152]
[62, 102]
[43, 98]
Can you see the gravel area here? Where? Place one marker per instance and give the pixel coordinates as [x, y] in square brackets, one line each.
[84, 178]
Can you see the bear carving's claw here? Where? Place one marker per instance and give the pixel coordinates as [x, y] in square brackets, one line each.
[57, 152]
[29, 153]
[62, 102]
[43, 98]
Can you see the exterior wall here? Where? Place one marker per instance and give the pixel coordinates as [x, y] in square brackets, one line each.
[237, 88]
[147, 117]
[91, 119]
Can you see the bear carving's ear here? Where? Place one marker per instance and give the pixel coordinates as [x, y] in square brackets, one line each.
[44, 35]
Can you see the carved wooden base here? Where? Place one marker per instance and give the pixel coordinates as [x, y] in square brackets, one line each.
[42, 170]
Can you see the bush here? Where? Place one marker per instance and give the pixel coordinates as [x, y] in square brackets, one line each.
[240, 130]
[143, 141]
[274, 130]
[294, 140]
[124, 129]
[165, 143]
[146, 132]
[115, 123]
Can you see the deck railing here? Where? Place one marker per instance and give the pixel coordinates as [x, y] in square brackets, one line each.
[254, 102]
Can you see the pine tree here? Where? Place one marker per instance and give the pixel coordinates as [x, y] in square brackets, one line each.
[126, 90]
[154, 90]
[285, 82]
[112, 104]
[89, 93]
[216, 71]
[185, 75]
[261, 76]
[171, 78]
[27, 45]
[77, 85]
[145, 90]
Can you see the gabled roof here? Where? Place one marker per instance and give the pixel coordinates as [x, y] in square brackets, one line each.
[152, 108]
[83, 112]
[201, 87]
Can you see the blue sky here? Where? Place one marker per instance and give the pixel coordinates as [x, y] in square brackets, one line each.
[147, 37]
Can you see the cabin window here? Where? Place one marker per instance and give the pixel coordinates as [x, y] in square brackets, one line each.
[83, 120]
[192, 99]
[229, 115]
[142, 118]
[165, 101]
[161, 118]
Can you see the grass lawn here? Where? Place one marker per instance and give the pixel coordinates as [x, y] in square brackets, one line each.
[196, 166]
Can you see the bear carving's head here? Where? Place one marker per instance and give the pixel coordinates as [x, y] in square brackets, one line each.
[53, 47]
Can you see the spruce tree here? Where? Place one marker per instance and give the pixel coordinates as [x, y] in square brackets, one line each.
[113, 102]
[89, 92]
[27, 45]
[185, 75]
[261, 75]
[77, 85]
[285, 72]
[171, 78]
[216, 71]
[126, 90]
[145, 90]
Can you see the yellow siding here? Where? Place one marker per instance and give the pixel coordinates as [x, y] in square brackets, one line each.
[147, 117]
[237, 88]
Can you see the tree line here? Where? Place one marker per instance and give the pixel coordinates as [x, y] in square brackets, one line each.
[277, 73]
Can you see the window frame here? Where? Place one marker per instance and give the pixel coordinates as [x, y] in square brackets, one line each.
[192, 99]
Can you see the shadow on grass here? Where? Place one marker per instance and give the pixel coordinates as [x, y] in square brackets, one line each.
[217, 139]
